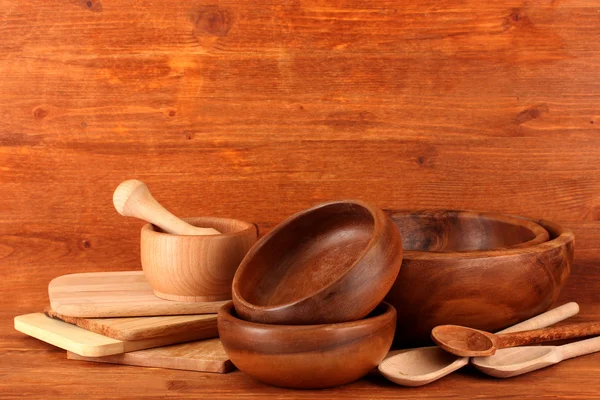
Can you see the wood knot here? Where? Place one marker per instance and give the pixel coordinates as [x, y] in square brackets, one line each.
[212, 20]
[91, 5]
[40, 113]
[531, 113]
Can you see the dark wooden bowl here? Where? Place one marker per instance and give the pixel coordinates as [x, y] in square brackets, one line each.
[331, 263]
[454, 231]
[308, 356]
[488, 290]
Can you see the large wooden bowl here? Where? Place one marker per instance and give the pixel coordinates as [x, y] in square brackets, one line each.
[488, 290]
[195, 268]
[331, 263]
[308, 356]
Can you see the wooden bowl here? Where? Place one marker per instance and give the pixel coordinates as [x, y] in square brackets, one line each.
[488, 290]
[331, 263]
[195, 268]
[308, 356]
[457, 231]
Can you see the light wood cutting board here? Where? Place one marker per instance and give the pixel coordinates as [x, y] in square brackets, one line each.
[90, 344]
[137, 328]
[116, 294]
[203, 355]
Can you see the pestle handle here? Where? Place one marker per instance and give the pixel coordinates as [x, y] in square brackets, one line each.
[133, 199]
[547, 334]
[546, 319]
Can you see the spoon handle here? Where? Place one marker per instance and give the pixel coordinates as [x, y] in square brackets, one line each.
[580, 348]
[547, 334]
[546, 319]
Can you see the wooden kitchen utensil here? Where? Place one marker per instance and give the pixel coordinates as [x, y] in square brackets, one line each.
[331, 263]
[133, 199]
[91, 344]
[307, 356]
[487, 289]
[469, 342]
[182, 261]
[195, 268]
[202, 355]
[116, 294]
[420, 366]
[137, 328]
[515, 361]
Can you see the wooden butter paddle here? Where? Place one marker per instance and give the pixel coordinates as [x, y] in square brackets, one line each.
[469, 342]
[133, 199]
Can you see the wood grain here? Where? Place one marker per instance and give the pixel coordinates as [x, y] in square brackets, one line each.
[90, 344]
[137, 328]
[255, 111]
[203, 355]
[116, 294]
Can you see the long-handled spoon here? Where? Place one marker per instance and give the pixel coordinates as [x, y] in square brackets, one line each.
[420, 366]
[133, 199]
[520, 360]
[469, 342]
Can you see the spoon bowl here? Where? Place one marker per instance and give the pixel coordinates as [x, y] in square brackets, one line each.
[469, 342]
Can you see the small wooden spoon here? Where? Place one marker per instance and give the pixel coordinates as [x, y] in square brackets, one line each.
[520, 360]
[133, 199]
[469, 342]
[420, 366]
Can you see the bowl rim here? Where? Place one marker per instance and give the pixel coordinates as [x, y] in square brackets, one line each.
[148, 228]
[561, 237]
[225, 313]
[378, 217]
[540, 233]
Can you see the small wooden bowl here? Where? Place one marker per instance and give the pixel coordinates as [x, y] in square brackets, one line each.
[487, 290]
[458, 231]
[309, 356]
[195, 268]
[331, 263]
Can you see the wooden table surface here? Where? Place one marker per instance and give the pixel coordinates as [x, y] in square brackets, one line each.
[255, 110]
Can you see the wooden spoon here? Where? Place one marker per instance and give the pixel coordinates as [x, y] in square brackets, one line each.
[469, 342]
[420, 366]
[133, 199]
[520, 360]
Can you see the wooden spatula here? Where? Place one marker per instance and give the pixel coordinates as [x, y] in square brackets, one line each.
[133, 199]
[520, 360]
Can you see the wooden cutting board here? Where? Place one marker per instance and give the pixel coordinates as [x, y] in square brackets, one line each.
[116, 294]
[204, 355]
[91, 344]
[137, 328]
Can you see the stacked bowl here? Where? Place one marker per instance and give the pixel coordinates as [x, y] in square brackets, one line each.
[307, 307]
[482, 270]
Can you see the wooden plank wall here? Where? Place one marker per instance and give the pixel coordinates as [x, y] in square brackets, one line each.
[255, 110]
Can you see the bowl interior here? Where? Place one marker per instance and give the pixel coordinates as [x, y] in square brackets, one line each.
[305, 253]
[223, 225]
[450, 231]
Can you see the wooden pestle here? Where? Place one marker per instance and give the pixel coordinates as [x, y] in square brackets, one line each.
[133, 199]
